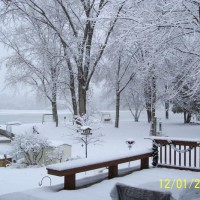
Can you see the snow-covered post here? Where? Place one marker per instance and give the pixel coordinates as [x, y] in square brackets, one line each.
[86, 130]
[155, 155]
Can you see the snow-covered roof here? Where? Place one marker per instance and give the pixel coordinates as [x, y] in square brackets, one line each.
[57, 143]
[94, 160]
[85, 128]
[4, 139]
[7, 156]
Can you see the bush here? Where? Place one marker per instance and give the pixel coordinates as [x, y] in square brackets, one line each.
[29, 146]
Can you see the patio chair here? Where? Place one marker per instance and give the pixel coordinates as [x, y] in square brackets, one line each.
[191, 192]
[125, 192]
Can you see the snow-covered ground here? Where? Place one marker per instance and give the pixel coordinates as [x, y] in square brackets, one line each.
[26, 180]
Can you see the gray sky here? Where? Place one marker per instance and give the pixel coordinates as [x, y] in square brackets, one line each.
[12, 98]
[3, 53]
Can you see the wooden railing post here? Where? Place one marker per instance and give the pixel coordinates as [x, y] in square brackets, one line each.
[70, 182]
[112, 171]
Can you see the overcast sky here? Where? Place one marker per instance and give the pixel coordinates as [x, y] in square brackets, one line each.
[12, 99]
[3, 53]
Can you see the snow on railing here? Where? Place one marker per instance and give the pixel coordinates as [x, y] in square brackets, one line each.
[180, 153]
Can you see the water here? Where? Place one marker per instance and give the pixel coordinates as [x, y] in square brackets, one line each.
[29, 117]
[35, 116]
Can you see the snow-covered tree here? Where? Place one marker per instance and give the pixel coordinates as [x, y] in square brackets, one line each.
[88, 31]
[80, 29]
[35, 60]
[186, 100]
[134, 98]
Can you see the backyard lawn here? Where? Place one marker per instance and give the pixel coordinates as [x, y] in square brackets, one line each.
[25, 181]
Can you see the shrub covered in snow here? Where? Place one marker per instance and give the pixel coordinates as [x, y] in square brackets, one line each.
[29, 146]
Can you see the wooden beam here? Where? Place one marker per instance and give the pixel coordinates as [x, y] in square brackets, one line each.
[176, 142]
[180, 168]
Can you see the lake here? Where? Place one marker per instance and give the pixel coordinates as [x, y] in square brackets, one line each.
[30, 116]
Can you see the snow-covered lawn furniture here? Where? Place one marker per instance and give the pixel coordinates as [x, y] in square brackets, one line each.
[122, 191]
[125, 192]
[177, 153]
[191, 193]
[45, 115]
[105, 117]
[4, 139]
[4, 160]
[70, 169]
[6, 134]
[10, 124]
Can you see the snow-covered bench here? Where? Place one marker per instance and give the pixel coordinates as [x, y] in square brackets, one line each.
[70, 169]
[105, 117]
[9, 127]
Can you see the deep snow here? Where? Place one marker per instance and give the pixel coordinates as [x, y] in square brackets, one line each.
[114, 141]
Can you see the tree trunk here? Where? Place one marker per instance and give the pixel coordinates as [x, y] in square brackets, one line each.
[167, 110]
[74, 103]
[136, 119]
[153, 103]
[54, 99]
[147, 94]
[117, 109]
[72, 84]
[153, 130]
[54, 112]
[166, 104]
[187, 117]
[149, 115]
[136, 115]
[73, 95]
[82, 99]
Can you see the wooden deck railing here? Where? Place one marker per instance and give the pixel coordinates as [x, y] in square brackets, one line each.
[177, 153]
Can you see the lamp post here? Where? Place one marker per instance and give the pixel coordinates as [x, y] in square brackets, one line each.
[86, 131]
[130, 143]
